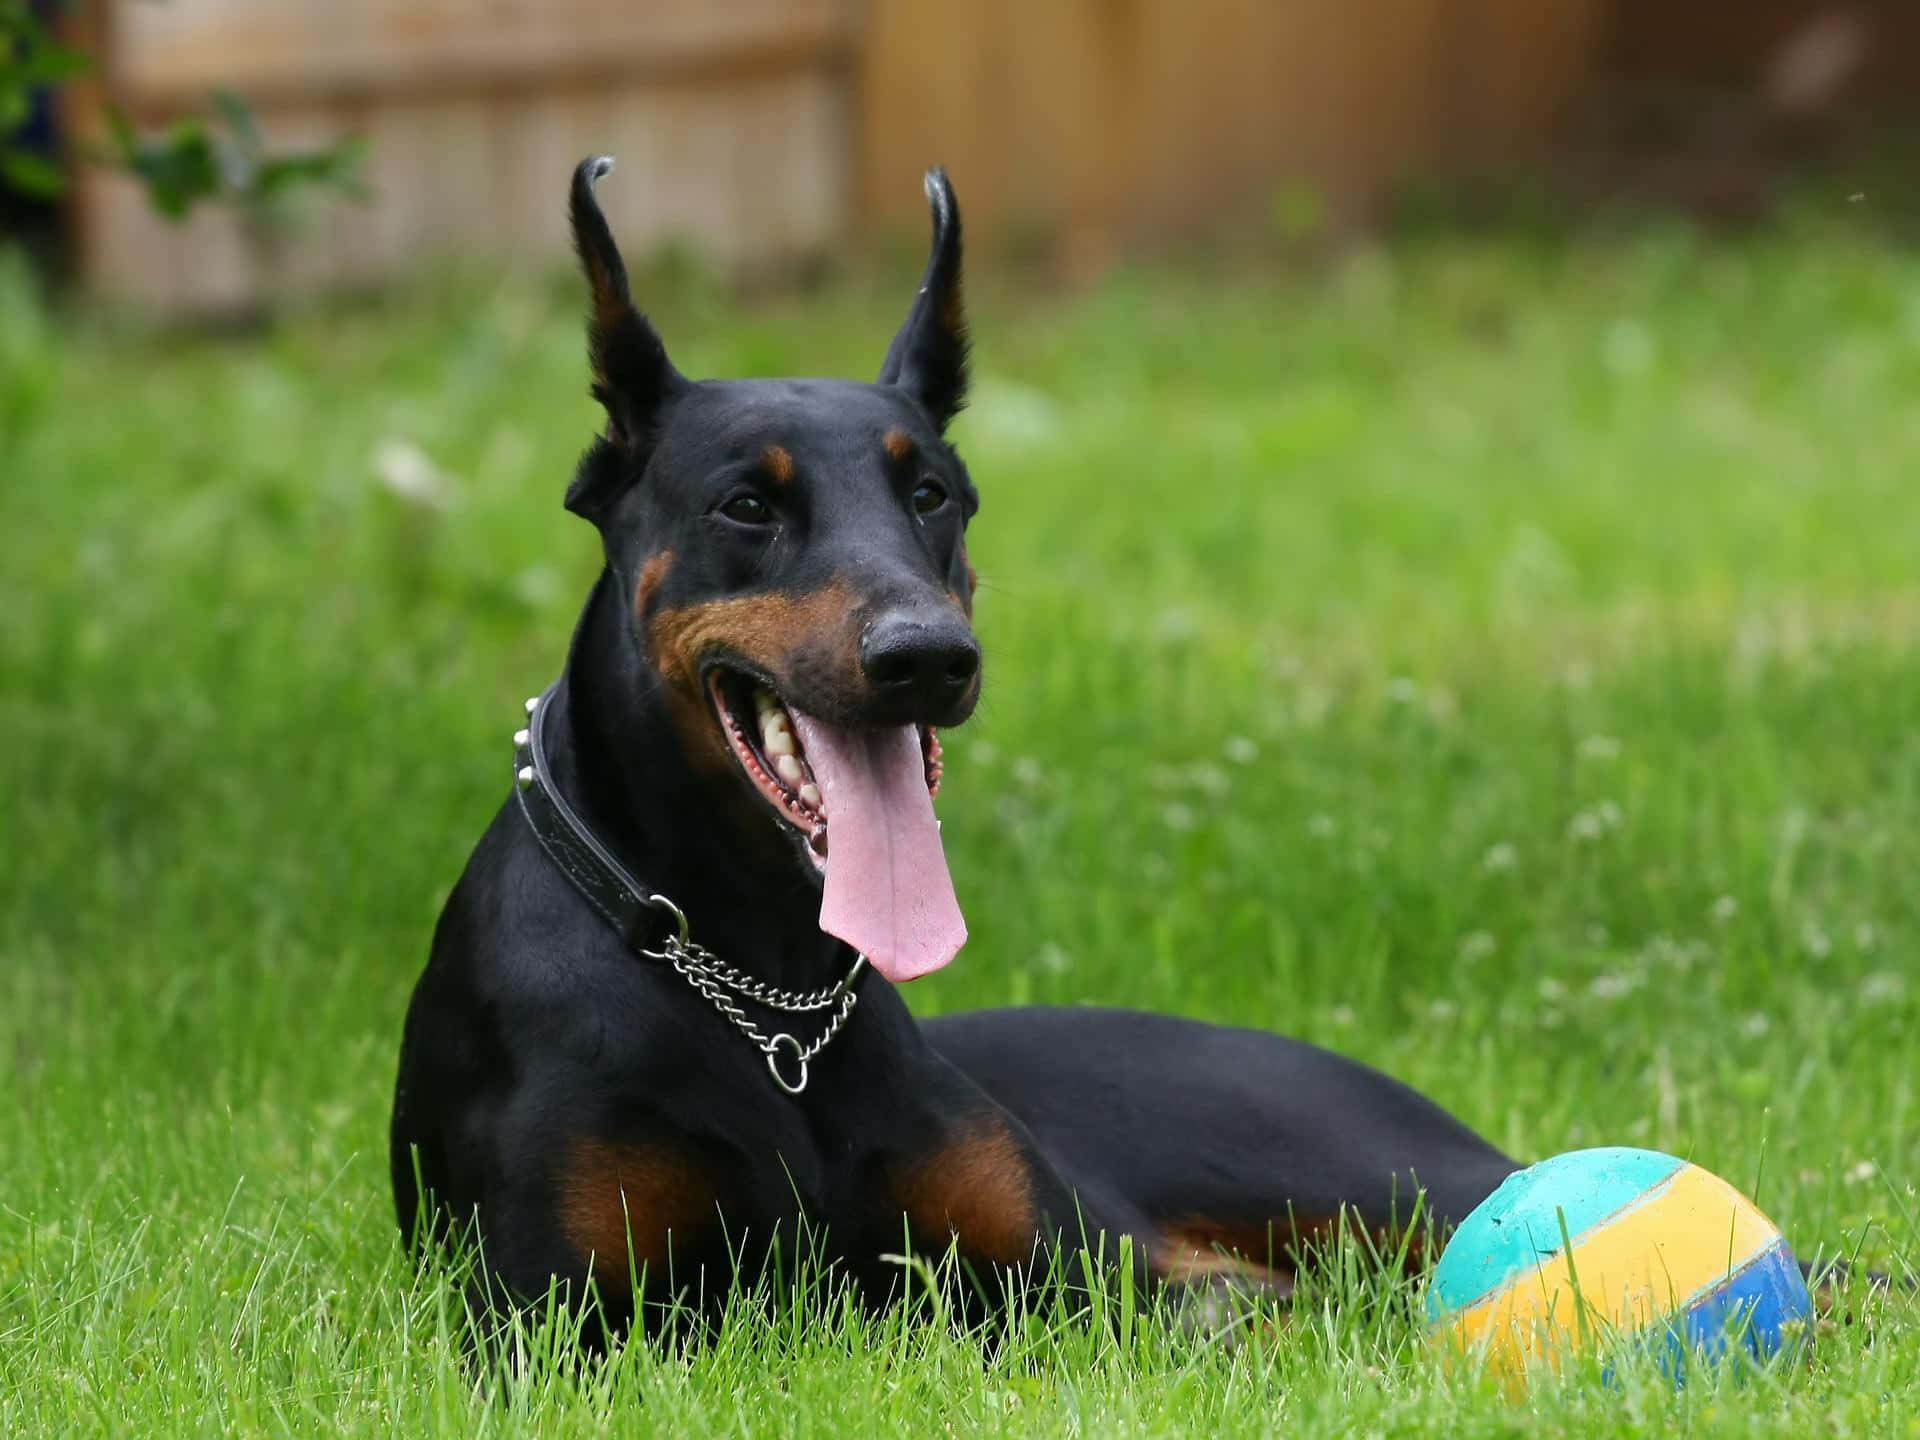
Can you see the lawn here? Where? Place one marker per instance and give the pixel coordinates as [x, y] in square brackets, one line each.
[1495, 658]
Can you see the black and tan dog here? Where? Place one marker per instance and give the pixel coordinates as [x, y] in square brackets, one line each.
[659, 1037]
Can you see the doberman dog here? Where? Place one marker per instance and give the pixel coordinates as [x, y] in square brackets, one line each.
[659, 1037]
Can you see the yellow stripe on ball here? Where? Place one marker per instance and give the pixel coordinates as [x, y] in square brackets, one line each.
[1651, 1259]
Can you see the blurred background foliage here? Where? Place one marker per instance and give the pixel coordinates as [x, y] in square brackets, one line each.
[215, 158]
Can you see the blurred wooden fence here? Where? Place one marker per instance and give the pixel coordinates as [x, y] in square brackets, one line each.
[729, 121]
[765, 129]
[1107, 120]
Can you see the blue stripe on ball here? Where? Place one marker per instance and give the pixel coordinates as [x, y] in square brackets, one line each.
[1762, 1306]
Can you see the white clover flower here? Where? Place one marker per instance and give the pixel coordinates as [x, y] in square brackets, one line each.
[538, 586]
[1882, 986]
[1174, 624]
[408, 472]
[1210, 780]
[1629, 347]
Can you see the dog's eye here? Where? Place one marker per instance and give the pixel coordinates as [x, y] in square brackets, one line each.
[928, 498]
[748, 510]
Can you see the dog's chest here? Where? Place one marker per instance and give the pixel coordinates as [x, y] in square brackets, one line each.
[975, 1188]
[964, 1183]
[667, 1206]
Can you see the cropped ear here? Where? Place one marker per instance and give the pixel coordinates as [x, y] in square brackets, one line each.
[928, 358]
[632, 376]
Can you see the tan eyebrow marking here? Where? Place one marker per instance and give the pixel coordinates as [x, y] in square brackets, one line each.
[651, 574]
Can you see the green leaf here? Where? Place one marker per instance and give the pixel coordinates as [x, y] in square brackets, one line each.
[121, 129]
[49, 65]
[179, 170]
[30, 173]
[239, 117]
[336, 168]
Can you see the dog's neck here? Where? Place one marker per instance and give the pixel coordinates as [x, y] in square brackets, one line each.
[618, 756]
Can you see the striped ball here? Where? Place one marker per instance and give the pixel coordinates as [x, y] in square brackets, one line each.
[1578, 1251]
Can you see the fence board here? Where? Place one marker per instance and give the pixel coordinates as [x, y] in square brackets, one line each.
[1124, 118]
[749, 170]
[290, 49]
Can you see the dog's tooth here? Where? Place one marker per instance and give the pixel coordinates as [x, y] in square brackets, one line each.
[779, 743]
[775, 720]
[810, 795]
[763, 700]
[789, 769]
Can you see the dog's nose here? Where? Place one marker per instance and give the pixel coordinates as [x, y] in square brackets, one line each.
[921, 666]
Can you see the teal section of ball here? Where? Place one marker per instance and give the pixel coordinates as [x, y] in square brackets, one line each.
[1503, 1237]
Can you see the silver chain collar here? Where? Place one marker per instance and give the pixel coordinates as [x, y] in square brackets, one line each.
[715, 980]
[719, 982]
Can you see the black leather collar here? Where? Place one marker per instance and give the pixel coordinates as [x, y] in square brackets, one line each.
[637, 914]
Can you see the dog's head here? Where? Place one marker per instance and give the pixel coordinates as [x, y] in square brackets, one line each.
[794, 554]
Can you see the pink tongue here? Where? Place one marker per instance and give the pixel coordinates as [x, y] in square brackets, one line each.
[888, 893]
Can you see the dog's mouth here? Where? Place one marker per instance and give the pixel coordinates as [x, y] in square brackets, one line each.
[861, 800]
[764, 738]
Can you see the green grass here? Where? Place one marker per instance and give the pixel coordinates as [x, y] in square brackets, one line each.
[1494, 660]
